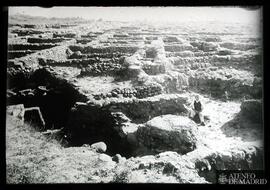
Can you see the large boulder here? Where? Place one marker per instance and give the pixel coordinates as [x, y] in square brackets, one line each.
[99, 147]
[168, 133]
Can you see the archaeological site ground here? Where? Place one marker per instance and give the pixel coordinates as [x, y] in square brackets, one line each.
[95, 101]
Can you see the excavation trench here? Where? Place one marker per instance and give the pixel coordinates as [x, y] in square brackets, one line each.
[57, 99]
[63, 107]
[53, 96]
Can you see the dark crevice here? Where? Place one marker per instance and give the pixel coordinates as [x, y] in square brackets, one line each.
[90, 124]
[53, 96]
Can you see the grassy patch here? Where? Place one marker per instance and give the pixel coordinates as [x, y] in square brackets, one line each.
[33, 157]
[28, 153]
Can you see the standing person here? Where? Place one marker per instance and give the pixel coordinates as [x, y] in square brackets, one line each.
[226, 96]
[197, 108]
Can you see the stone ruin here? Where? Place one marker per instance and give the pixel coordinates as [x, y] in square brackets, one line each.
[129, 89]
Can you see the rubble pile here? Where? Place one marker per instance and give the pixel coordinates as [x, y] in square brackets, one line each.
[138, 92]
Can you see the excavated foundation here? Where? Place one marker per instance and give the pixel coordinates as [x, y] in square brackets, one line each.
[56, 100]
[133, 90]
[62, 106]
[53, 96]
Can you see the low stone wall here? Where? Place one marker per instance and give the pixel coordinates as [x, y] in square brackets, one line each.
[32, 46]
[177, 48]
[109, 49]
[238, 45]
[25, 32]
[141, 110]
[138, 92]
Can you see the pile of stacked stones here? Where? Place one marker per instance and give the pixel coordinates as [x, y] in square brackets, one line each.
[124, 92]
[199, 65]
[102, 68]
[138, 92]
[189, 60]
[147, 91]
[79, 55]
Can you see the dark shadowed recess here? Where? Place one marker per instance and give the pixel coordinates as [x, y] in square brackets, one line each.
[91, 124]
[54, 101]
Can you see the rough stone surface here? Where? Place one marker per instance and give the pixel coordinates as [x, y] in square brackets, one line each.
[168, 132]
[166, 167]
[127, 80]
[147, 108]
